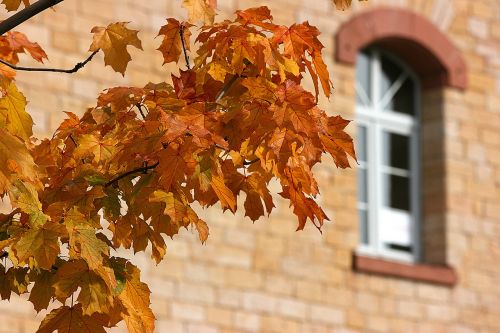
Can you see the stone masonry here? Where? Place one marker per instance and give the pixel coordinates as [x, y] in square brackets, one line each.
[265, 277]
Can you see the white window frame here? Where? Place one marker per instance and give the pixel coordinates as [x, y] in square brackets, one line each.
[376, 118]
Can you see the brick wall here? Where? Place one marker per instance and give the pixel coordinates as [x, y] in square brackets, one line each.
[265, 277]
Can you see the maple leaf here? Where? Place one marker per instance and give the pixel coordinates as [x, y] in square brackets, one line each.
[7, 72]
[42, 291]
[171, 45]
[135, 298]
[83, 240]
[304, 207]
[41, 244]
[343, 4]
[226, 196]
[71, 320]
[94, 293]
[13, 115]
[338, 143]
[15, 160]
[200, 10]
[24, 195]
[173, 206]
[19, 43]
[12, 5]
[257, 191]
[101, 149]
[113, 41]
[171, 167]
[202, 228]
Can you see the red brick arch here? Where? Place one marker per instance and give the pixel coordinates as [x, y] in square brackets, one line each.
[410, 36]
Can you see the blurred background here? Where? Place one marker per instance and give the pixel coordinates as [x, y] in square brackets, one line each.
[414, 242]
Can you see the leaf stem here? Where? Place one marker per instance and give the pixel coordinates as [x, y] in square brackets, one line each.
[75, 69]
[142, 169]
[226, 87]
[186, 57]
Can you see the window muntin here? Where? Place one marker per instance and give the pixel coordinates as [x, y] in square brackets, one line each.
[387, 145]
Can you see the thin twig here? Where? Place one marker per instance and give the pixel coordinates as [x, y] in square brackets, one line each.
[226, 87]
[25, 14]
[251, 162]
[186, 57]
[75, 69]
[73, 140]
[143, 169]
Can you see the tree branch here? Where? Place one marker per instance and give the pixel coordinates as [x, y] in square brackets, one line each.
[186, 57]
[251, 162]
[26, 14]
[143, 169]
[226, 87]
[75, 69]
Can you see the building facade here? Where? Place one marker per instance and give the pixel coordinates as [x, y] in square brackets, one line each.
[414, 245]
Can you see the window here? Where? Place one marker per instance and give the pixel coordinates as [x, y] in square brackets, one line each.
[389, 161]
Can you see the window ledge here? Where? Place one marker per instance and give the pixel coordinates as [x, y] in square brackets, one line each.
[442, 275]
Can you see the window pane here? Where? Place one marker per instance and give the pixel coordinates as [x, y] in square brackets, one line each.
[361, 144]
[362, 185]
[397, 192]
[363, 76]
[390, 73]
[363, 226]
[404, 100]
[397, 150]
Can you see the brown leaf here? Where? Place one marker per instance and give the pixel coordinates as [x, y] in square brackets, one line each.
[12, 5]
[113, 41]
[171, 45]
[200, 10]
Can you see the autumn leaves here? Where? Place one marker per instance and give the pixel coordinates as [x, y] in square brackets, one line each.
[143, 158]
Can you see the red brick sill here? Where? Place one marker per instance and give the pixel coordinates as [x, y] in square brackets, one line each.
[442, 275]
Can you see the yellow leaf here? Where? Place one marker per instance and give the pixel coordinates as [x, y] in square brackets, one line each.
[71, 320]
[200, 10]
[202, 228]
[83, 241]
[173, 206]
[101, 149]
[217, 71]
[15, 161]
[226, 196]
[13, 115]
[94, 293]
[113, 41]
[25, 196]
[135, 298]
[41, 244]
[343, 4]
[171, 46]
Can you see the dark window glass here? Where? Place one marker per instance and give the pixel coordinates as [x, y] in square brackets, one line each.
[403, 101]
[390, 73]
[397, 192]
[397, 154]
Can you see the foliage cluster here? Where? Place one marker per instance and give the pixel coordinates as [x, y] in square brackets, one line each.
[128, 172]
